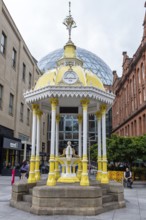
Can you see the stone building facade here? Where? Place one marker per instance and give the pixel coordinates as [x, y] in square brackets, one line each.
[18, 73]
[129, 108]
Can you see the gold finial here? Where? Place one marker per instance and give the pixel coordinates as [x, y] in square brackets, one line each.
[69, 22]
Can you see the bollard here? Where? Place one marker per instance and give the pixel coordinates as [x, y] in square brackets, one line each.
[13, 176]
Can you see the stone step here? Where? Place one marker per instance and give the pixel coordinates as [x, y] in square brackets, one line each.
[107, 198]
[27, 198]
[30, 191]
[24, 206]
[108, 206]
[41, 182]
[104, 191]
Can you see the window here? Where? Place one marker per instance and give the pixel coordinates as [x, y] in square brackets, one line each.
[21, 111]
[144, 94]
[139, 76]
[3, 43]
[29, 83]
[142, 71]
[140, 98]
[14, 58]
[134, 85]
[131, 85]
[28, 116]
[11, 102]
[1, 96]
[23, 72]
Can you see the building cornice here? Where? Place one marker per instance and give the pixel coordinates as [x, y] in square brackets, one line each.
[133, 63]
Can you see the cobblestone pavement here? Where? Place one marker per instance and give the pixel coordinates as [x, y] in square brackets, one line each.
[135, 206]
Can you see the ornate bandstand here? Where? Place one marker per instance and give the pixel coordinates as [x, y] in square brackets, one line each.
[68, 189]
[69, 86]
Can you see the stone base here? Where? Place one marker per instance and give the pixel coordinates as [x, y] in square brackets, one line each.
[68, 199]
[67, 179]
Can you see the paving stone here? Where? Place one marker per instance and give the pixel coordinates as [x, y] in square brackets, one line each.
[131, 212]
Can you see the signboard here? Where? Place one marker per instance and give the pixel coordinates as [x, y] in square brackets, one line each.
[12, 144]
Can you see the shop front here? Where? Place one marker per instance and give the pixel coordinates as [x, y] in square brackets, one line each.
[11, 151]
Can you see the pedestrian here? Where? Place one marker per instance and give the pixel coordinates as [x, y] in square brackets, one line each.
[128, 178]
[24, 169]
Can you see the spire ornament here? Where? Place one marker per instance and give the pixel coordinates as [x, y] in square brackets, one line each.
[69, 23]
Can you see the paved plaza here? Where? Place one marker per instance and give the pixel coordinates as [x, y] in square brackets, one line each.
[135, 206]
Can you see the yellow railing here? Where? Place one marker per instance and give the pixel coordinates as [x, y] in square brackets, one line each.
[116, 175]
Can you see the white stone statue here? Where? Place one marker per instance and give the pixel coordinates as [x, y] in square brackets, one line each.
[69, 151]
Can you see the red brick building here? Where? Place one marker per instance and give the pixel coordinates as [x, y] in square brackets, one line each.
[129, 108]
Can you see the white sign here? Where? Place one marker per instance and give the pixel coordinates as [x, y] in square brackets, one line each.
[12, 145]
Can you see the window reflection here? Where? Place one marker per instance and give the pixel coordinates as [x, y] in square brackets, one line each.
[75, 125]
[68, 136]
[61, 136]
[68, 126]
[75, 136]
[92, 126]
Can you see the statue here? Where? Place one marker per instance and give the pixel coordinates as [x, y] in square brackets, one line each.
[69, 151]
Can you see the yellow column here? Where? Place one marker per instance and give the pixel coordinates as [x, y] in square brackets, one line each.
[31, 178]
[51, 177]
[99, 159]
[37, 159]
[104, 178]
[79, 172]
[84, 178]
[57, 171]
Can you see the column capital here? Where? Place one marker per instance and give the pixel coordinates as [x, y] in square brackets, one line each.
[35, 107]
[54, 103]
[98, 115]
[39, 113]
[84, 103]
[80, 118]
[103, 108]
[58, 118]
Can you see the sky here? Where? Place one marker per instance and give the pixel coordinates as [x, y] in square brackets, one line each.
[104, 27]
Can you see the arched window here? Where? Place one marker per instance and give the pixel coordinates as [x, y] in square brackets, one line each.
[142, 71]
[134, 85]
[139, 76]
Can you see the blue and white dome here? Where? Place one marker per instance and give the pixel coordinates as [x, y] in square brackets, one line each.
[90, 62]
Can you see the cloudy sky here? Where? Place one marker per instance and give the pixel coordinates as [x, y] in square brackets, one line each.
[104, 27]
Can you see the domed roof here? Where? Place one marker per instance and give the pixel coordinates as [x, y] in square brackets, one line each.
[66, 76]
[90, 62]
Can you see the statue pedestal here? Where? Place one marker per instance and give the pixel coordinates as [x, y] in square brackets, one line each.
[68, 178]
[68, 174]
